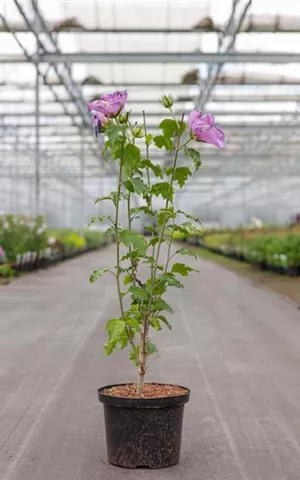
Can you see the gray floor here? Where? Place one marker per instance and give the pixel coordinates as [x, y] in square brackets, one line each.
[236, 346]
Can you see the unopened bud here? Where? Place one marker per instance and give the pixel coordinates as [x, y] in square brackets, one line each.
[137, 131]
[122, 118]
[167, 101]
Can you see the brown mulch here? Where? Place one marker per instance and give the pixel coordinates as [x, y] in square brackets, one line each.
[151, 390]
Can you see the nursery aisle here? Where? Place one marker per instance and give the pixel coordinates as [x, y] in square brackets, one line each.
[235, 345]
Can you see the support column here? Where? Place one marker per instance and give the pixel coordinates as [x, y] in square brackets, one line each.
[37, 141]
[82, 181]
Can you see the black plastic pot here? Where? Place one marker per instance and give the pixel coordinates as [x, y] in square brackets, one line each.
[292, 271]
[143, 432]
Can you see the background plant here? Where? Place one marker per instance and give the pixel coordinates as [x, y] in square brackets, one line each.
[142, 180]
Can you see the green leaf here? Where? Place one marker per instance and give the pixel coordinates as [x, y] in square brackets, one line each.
[113, 131]
[129, 186]
[97, 274]
[151, 348]
[161, 305]
[183, 126]
[131, 158]
[163, 319]
[181, 175]
[109, 347]
[127, 280]
[133, 323]
[139, 186]
[115, 328]
[154, 241]
[149, 139]
[182, 269]
[188, 215]
[151, 229]
[112, 196]
[129, 238]
[115, 148]
[155, 323]
[156, 169]
[143, 209]
[170, 280]
[165, 214]
[134, 355]
[195, 156]
[139, 294]
[160, 142]
[99, 219]
[162, 189]
[170, 127]
[183, 251]
[136, 185]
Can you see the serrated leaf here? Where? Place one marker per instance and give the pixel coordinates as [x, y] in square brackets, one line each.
[183, 251]
[156, 169]
[163, 189]
[161, 305]
[149, 139]
[163, 319]
[182, 126]
[134, 355]
[155, 323]
[170, 127]
[139, 186]
[195, 156]
[115, 148]
[97, 274]
[150, 228]
[181, 175]
[115, 328]
[162, 142]
[139, 294]
[154, 241]
[182, 269]
[151, 348]
[137, 241]
[165, 214]
[99, 219]
[133, 323]
[112, 196]
[113, 131]
[170, 280]
[109, 347]
[188, 215]
[131, 158]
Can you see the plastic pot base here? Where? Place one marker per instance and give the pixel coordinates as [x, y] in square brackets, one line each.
[143, 433]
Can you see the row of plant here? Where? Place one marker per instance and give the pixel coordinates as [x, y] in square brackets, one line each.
[278, 252]
[27, 244]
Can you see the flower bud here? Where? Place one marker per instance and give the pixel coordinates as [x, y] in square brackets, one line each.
[167, 101]
[137, 131]
[122, 118]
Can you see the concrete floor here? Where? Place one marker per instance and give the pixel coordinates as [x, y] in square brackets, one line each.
[236, 346]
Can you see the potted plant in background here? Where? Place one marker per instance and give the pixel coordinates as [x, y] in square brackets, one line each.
[144, 420]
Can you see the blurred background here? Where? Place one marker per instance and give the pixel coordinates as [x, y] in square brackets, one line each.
[236, 59]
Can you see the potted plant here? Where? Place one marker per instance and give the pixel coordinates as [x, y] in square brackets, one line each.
[144, 420]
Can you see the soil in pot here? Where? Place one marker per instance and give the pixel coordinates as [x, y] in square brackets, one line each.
[143, 431]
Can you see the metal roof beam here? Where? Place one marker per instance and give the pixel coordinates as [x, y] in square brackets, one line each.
[156, 114]
[159, 57]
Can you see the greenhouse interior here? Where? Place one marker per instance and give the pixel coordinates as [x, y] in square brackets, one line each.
[149, 133]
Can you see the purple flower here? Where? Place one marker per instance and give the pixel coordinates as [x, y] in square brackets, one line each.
[110, 105]
[204, 129]
[2, 254]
